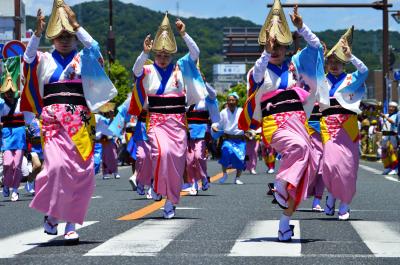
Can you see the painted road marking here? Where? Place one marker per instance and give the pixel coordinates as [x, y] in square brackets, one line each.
[375, 171]
[21, 242]
[151, 208]
[382, 238]
[259, 238]
[371, 169]
[145, 239]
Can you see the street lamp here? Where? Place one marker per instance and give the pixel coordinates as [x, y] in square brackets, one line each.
[396, 16]
[111, 36]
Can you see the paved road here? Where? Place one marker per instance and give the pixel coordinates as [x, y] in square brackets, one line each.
[229, 224]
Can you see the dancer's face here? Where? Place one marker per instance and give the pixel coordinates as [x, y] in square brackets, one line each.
[65, 43]
[392, 109]
[163, 59]
[278, 54]
[232, 103]
[334, 66]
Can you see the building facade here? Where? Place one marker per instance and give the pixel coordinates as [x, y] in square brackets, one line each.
[8, 20]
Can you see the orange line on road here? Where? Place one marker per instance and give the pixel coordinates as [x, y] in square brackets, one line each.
[151, 208]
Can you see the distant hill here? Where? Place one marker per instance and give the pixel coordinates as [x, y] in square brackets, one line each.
[132, 23]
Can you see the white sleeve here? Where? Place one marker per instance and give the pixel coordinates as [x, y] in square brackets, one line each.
[138, 66]
[261, 66]
[84, 37]
[361, 67]
[31, 49]
[193, 48]
[257, 114]
[309, 36]
[220, 124]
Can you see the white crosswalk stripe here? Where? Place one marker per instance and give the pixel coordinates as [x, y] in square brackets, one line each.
[259, 238]
[21, 242]
[382, 238]
[145, 239]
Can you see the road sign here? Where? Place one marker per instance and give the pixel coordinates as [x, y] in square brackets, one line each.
[397, 75]
[1, 50]
[13, 48]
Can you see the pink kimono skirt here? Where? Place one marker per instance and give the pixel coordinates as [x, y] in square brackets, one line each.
[340, 157]
[252, 154]
[196, 161]
[317, 187]
[110, 157]
[143, 163]
[65, 185]
[168, 143]
[298, 163]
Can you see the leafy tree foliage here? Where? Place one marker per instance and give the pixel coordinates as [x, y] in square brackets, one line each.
[121, 78]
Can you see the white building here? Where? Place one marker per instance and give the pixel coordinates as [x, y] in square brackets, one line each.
[227, 75]
[7, 20]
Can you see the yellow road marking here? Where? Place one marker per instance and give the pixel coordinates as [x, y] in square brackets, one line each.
[151, 208]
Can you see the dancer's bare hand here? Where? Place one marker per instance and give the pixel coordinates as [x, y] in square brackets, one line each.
[346, 48]
[180, 26]
[270, 43]
[71, 16]
[297, 20]
[40, 23]
[147, 44]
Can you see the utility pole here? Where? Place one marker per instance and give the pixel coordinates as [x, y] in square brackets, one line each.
[385, 53]
[111, 36]
[379, 5]
[17, 19]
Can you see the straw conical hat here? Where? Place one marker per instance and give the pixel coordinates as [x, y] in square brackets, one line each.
[277, 25]
[164, 40]
[59, 21]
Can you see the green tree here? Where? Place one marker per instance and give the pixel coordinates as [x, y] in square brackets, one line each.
[121, 80]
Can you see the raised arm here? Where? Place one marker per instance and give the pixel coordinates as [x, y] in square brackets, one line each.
[33, 45]
[303, 30]
[361, 67]
[141, 60]
[82, 35]
[194, 50]
[261, 66]
[309, 36]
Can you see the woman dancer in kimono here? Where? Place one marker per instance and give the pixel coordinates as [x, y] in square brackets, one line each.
[13, 144]
[164, 89]
[285, 91]
[339, 128]
[56, 87]
[199, 117]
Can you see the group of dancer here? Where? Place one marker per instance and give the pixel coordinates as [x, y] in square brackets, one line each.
[175, 109]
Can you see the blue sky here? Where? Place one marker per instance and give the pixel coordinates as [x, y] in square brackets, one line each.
[256, 11]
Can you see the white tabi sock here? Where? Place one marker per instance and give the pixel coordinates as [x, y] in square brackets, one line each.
[284, 223]
[343, 208]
